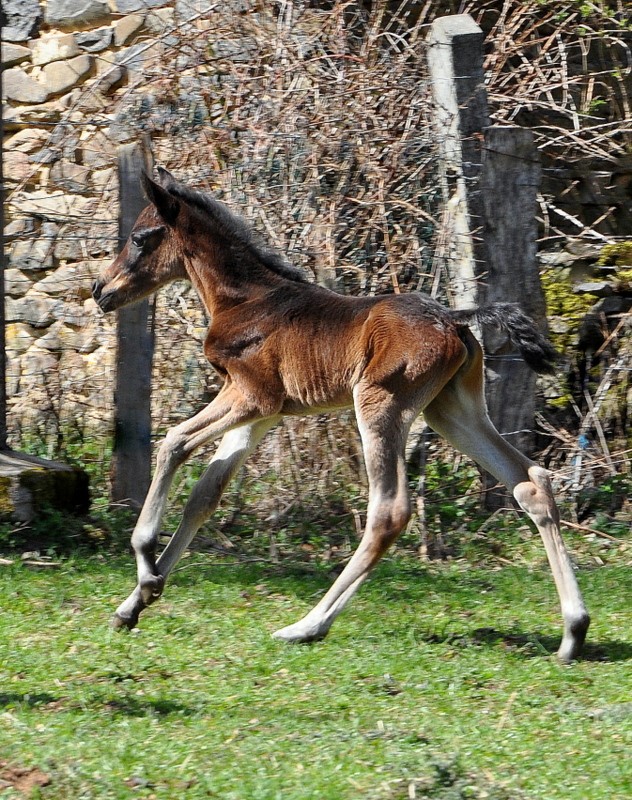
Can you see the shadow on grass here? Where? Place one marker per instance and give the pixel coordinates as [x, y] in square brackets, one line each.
[125, 705]
[130, 706]
[307, 581]
[533, 645]
[12, 699]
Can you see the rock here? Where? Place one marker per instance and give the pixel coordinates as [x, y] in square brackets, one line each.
[13, 54]
[70, 176]
[54, 48]
[51, 205]
[27, 140]
[16, 284]
[76, 14]
[98, 151]
[104, 179]
[35, 310]
[46, 155]
[19, 227]
[131, 6]
[65, 282]
[30, 485]
[35, 366]
[580, 248]
[138, 56]
[74, 313]
[31, 254]
[598, 288]
[111, 79]
[126, 27]
[95, 41]
[19, 337]
[61, 76]
[46, 113]
[20, 87]
[159, 21]
[61, 338]
[21, 20]
[17, 166]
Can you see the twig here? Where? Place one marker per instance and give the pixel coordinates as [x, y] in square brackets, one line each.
[576, 526]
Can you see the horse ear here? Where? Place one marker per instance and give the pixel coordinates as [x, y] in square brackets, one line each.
[166, 204]
[166, 179]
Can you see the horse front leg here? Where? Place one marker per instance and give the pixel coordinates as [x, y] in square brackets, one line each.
[225, 413]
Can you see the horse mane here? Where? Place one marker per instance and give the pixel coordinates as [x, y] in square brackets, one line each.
[233, 228]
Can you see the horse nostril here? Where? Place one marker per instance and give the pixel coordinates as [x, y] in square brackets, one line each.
[96, 290]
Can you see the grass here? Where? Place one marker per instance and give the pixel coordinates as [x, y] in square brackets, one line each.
[438, 682]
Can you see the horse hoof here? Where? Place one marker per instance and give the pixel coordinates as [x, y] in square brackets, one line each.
[120, 623]
[299, 634]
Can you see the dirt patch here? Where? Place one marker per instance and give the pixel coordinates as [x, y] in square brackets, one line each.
[23, 779]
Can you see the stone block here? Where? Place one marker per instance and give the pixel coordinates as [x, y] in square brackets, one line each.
[16, 283]
[76, 14]
[126, 27]
[95, 41]
[19, 337]
[64, 282]
[17, 166]
[13, 54]
[54, 48]
[17, 228]
[131, 6]
[30, 485]
[110, 79]
[70, 177]
[47, 113]
[31, 254]
[32, 309]
[21, 20]
[21, 88]
[98, 151]
[62, 76]
[51, 205]
[27, 140]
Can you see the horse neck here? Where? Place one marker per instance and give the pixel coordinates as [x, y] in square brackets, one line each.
[222, 282]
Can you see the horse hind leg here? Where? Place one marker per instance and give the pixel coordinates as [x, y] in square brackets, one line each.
[388, 512]
[459, 414]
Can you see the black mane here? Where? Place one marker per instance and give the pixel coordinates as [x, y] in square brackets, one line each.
[233, 228]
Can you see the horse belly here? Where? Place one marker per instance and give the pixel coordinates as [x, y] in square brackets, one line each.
[316, 387]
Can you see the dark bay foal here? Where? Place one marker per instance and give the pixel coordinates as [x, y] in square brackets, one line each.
[285, 346]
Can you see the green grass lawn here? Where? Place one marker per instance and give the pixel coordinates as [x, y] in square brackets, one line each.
[437, 682]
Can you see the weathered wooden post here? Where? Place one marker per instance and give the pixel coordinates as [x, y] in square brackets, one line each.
[455, 47]
[3, 363]
[490, 178]
[131, 457]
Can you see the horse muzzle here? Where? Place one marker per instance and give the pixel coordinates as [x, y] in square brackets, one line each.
[106, 302]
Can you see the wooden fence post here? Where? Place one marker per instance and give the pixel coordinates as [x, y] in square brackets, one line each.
[455, 48]
[131, 457]
[490, 178]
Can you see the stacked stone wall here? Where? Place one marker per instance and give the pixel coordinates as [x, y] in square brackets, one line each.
[69, 65]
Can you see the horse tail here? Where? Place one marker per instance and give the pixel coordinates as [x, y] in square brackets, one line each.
[535, 348]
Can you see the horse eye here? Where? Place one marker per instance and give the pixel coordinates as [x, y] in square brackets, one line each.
[138, 239]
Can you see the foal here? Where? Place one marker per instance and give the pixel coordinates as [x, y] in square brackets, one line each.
[288, 347]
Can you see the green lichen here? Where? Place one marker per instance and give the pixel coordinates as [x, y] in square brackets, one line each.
[562, 302]
[616, 254]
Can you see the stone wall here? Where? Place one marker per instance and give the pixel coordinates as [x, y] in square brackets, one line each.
[69, 66]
